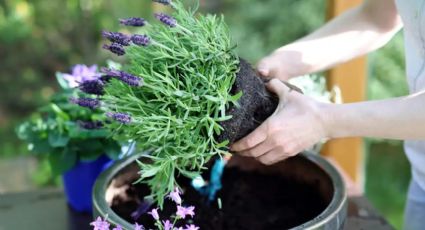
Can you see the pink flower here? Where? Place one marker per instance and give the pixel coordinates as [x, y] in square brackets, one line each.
[191, 227]
[154, 213]
[118, 227]
[179, 228]
[182, 212]
[81, 73]
[167, 225]
[175, 196]
[138, 227]
[100, 224]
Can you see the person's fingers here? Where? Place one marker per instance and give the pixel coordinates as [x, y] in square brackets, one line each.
[264, 67]
[259, 149]
[278, 87]
[253, 139]
[273, 156]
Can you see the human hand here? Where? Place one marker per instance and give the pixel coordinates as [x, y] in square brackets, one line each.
[282, 64]
[296, 124]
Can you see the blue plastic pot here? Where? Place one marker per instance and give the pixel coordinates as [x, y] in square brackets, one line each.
[78, 182]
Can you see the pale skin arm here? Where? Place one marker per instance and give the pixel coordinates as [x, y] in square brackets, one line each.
[304, 121]
[358, 31]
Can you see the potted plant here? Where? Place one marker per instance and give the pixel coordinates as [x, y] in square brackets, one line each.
[183, 96]
[72, 139]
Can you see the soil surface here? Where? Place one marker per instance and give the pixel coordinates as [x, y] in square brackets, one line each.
[250, 201]
[255, 105]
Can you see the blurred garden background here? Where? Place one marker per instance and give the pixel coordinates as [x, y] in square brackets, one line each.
[40, 37]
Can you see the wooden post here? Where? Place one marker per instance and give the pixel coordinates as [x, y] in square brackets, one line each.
[351, 79]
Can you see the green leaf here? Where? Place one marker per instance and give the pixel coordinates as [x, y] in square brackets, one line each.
[57, 139]
[90, 150]
[59, 112]
[62, 161]
[62, 82]
[112, 150]
[223, 144]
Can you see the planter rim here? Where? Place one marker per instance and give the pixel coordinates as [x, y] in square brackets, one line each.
[333, 209]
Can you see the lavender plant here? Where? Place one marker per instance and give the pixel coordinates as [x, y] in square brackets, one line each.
[172, 92]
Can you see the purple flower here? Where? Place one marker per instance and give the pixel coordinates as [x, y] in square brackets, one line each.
[120, 117]
[115, 48]
[118, 227]
[92, 87]
[123, 76]
[117, 37]
[164, 2]
[154, 213]
[81, 73]
[175, 196]
[182, 212]
[179, 228]
[141, 40]
[86, 102]
[100, 224]
[167, 225]
[90, 125]
[138, 227]
[133, 21]
[191, 227]
[166, 19]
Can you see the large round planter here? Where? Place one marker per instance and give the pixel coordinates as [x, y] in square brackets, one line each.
[78, 182]
[307, 167]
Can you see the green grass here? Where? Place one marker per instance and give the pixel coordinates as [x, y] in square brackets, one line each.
[387, 179]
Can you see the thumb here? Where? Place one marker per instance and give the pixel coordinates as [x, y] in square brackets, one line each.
[265, 67]
[279, 88]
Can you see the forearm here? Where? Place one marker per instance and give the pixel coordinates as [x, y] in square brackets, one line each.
[398, 118]
[356, 32]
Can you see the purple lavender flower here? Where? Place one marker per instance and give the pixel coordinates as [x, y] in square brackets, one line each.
[133, 21]
[191, 227]
[123, 76]
[154, 213]
[182, 212]
[115, 48]
[92, 87]
[138, 227]
[166, 19]
[164, 2]
[141, 40]
[167, 225]
[120, 117]
[81, 73]
[118, 227]
[117, 37]
[90, 125]
[100, 224]
[179, 228]
[175, 196]
[86, 102]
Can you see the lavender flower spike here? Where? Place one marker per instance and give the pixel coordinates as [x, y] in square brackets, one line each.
[167, 225]
[164, 2]
[166, 19]
[117, 37]
[120, 117]
[123, 76]
[94, 87]
[90, 103]
[175, 196]
[141, 40]
[115, 48]
[118, 227]
[90, 125]
[133, 21]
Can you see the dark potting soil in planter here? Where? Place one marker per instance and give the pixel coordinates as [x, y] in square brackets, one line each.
[255, 105]
[250, 201]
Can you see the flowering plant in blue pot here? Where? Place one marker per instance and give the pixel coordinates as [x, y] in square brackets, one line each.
[72, 139]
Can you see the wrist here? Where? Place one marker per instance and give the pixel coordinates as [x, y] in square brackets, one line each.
[326, 113]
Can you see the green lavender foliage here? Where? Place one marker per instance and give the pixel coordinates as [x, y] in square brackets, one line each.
[188, 71]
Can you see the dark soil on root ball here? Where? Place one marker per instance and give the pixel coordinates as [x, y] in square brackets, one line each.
[250, 201]
[255, 105]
